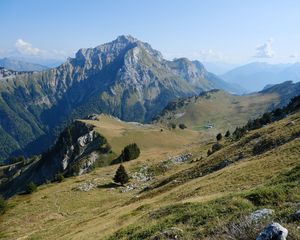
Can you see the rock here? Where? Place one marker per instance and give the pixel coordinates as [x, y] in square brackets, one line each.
[169, 234]
[291, 123]
[181, 158]
[295, 216]
[273, 232]
[261, 214]
[85, 187]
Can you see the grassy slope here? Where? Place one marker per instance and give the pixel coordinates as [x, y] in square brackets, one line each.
[225, 111]
[57, 211]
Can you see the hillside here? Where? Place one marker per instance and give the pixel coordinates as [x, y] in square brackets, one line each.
[217, 110]
[195, 197]
[125, 78]
[255, 76]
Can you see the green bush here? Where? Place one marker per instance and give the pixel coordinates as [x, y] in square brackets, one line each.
[59, 177]
[216, 147]
[227, 134]
[30, 188]
[130, 152]
[219, 136]
[182, 126]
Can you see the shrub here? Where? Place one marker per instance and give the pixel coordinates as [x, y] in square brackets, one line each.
[227, 134]
[59, 177]
[216, 147]
[209, 152]
[130, 152]
[13, 160]
[172, 125]
[182, 126]
[264, 146]
[121, 175]
[219, 136]
[30, 188]
[3, 205]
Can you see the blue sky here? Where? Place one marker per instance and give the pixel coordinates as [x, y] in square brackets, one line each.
[233, 31]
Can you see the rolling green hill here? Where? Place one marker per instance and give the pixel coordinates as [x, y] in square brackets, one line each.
[219, 111]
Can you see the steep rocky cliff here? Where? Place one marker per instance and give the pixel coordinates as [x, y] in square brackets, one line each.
[75, 152]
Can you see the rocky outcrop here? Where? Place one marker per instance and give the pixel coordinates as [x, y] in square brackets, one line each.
[261, 214]
[74, 153]
[273, 232]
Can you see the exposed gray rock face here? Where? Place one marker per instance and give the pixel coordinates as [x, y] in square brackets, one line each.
[261, 214]
[273, 232]
[74, 153]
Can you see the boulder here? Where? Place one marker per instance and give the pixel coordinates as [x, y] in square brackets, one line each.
[261, 214]
[169, 234]
[273, 231]
[295, 216]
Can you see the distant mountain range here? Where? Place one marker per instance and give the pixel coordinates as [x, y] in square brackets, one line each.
[255, 76]
[18, 65]
[126, 78]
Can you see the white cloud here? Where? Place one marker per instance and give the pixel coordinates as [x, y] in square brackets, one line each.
[265, 50]
[26, 48]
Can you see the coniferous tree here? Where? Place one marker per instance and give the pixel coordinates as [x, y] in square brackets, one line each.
[121, 175]
[219, 136]
[227, 134]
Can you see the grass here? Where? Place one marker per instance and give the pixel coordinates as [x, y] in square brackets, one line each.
[203, 207]
[225, 111]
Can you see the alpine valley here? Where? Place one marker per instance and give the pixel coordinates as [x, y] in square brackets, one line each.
[120, 143]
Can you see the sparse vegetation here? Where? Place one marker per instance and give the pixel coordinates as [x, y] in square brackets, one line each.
[30, 188]
[59, 177]
[3, 205]
[182, 126]
[18, 159]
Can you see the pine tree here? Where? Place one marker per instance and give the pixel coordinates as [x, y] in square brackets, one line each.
[219, 136]
[227, 134]
[121, 175]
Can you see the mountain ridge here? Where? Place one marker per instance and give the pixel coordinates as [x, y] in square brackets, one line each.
[125, 78]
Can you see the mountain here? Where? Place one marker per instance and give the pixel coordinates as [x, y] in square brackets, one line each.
[199, 78]
[125, 78]
[219, 68]
[17, 65]
[217, 110]
[255, 76]
[176, 190]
